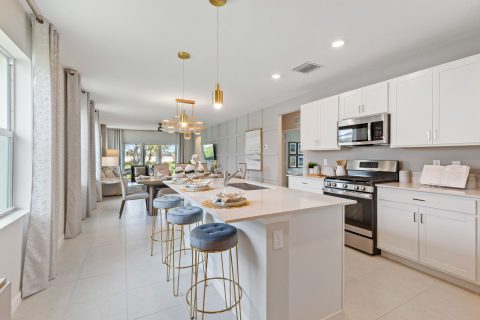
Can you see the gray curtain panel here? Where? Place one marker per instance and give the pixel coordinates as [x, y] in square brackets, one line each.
[98, 154]
[92, 163]
[41, 246]
[84, 150]
[118, 144]
[73, 216]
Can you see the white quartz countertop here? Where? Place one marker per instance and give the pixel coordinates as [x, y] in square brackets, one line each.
[263, 203]
[424, 188]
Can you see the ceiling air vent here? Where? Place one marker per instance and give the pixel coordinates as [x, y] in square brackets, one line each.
[307, 67]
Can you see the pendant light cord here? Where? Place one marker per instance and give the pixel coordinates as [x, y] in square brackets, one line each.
[217, 44]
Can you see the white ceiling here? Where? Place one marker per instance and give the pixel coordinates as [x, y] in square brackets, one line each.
[126, 50]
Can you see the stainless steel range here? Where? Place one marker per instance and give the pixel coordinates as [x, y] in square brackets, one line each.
[359, 185]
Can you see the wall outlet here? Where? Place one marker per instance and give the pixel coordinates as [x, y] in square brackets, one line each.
[278, 239]
[456, 163]
[437, 162]
[325, 162]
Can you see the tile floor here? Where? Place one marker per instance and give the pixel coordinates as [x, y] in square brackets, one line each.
[108, 273]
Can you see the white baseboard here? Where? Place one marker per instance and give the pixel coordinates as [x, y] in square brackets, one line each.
[16, 302]
[60, 241]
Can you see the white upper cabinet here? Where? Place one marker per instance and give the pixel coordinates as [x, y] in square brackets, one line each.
[411, 106]
[309, 126]
[351, 104]
[318, 125]
[328, 113]
[439, 106]
[365, 101]
[457, 102]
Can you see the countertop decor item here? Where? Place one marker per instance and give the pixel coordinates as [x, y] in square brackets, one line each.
[454, 176]
[311, 165]
[224, 200]
[404, 176]
[340, 171]
[253, 149]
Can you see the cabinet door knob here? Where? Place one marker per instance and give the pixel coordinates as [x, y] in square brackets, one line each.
[421, 218]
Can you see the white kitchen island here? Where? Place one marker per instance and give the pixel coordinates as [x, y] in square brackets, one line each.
[300, 276]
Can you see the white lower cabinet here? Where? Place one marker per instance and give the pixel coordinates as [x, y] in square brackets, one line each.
[441, 239]
[398, 229]
[306, 184]
[448, 242]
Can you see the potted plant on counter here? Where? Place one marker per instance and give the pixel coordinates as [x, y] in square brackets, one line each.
[311, 166]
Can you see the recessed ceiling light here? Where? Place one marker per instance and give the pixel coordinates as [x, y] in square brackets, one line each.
[275, 76]
[338, 43]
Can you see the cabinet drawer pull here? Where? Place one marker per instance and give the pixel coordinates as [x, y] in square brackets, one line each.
[304, 182]
[416, 199]
[428, 135]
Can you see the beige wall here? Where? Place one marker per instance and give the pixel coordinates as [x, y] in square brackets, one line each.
[15, 22]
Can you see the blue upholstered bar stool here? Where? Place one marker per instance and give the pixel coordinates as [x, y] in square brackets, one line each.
[181, 216]
[215, 238]
[166, 203]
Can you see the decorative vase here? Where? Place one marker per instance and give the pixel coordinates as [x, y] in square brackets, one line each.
[340, 171]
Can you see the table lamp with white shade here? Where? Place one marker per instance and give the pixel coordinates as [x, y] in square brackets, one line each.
[111, 158]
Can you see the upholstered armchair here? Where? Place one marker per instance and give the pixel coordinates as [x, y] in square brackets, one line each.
[141, 170]
[161, 169]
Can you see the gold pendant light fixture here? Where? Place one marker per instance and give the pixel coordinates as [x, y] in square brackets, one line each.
[181, 122]
[218, 93]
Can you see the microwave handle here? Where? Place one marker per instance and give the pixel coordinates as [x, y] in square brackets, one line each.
[369, 133]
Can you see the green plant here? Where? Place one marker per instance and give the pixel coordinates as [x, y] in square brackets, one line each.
[312, 164]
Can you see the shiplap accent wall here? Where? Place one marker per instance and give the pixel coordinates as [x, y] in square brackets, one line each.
[229, 139]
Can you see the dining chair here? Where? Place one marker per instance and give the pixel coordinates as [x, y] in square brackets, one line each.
[126, 196]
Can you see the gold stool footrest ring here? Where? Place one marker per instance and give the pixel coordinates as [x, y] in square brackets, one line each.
[233, 304]
[179, 251]
[163, 240]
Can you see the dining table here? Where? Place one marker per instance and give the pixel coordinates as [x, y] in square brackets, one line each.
[152, 184]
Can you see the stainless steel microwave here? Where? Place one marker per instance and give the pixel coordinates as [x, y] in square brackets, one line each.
[370, 130]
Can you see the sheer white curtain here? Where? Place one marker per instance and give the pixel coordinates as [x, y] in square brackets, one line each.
[92, 163]
[98, 154]
[74, 205]
[84, 151]
[41, 247]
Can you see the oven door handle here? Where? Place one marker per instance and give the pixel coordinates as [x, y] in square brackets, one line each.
[350, 193]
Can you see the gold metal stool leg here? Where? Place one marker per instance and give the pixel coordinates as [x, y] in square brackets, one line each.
[152, 236]
[232, 300]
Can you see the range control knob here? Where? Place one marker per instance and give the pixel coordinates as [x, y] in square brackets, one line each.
[333, 184]
[362, 188]
[344, 185]
[356, 187]
[327, 184]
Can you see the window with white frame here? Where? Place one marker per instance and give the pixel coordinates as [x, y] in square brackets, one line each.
[6, 132]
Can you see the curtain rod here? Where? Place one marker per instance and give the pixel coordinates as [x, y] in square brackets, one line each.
[35, 10]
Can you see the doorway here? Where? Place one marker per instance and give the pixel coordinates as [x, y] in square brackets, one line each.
[292, 155]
